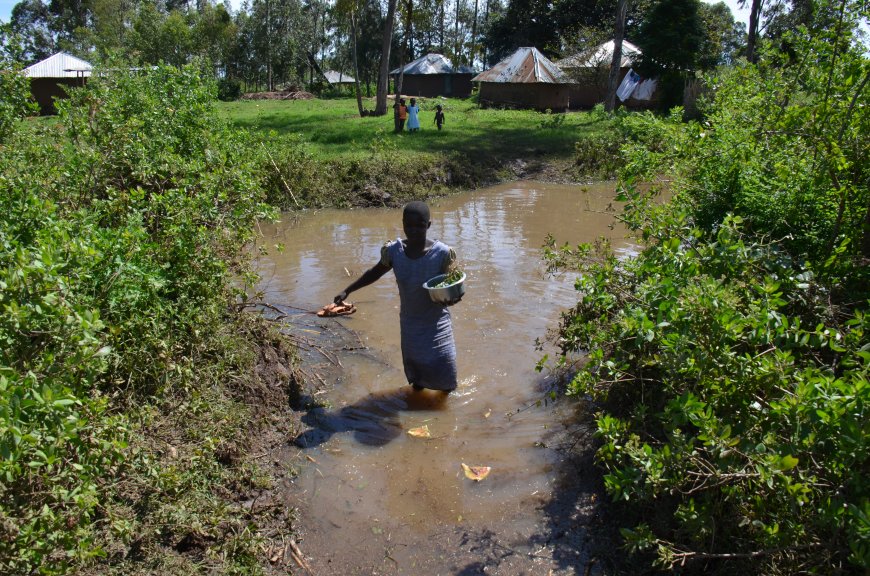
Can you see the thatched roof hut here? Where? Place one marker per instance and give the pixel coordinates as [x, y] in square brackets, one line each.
[525, 79]
[434, 75]
[50, 78]
[589, 70]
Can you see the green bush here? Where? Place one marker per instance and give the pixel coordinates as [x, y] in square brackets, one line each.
[775, 147]
[15, 102]
[729, 360]
[229, 89]
[733, 399]
[599, 155]
[120, 236]
[606, 154]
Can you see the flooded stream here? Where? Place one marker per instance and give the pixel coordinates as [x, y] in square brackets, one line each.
[372, 498]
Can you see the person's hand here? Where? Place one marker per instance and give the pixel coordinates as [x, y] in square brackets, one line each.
[342, 296]
[452, 302]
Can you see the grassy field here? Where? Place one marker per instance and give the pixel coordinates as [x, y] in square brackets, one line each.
[333, 128]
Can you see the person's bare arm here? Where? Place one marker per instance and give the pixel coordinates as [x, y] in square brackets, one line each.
[370, 276]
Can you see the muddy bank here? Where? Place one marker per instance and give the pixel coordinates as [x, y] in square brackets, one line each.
[391, 181]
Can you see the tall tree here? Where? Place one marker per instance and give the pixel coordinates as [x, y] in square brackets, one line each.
[214, 34]
[616, 62]
[409, 11]
[523, 23]
[672, 35]
[473, 49]
[31, 22]
[349, 9]
[723, 36]
[384, 71]
[357, 90]
[754, 19]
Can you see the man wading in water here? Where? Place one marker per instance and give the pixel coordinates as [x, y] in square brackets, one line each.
[428, 349]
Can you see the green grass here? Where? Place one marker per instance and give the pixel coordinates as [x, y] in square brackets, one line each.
[332, 129]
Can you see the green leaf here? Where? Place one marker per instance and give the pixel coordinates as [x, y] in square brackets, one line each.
[787, 463]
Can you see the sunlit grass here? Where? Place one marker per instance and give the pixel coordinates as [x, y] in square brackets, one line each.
[333, 128]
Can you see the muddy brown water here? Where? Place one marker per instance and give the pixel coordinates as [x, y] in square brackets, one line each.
[374, 499]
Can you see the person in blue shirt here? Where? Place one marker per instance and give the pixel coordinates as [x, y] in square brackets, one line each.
[413, 116]
[428, 348]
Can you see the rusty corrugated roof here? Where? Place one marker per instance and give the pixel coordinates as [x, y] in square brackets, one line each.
[60, 65]
[525, 66]
[601, 55]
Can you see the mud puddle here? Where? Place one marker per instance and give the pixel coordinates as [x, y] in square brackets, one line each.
[373, 499]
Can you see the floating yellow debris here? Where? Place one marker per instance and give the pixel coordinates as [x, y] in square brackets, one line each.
[421, 432]
[476, 473]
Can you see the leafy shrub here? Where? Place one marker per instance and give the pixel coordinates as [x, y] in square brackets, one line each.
[729, 358]
[775, 147]
[229, 89]
[599, 155]
[603, 154]
[733, 398]
[15, 102]
[294, 178]
[552, 121]
[120, 236]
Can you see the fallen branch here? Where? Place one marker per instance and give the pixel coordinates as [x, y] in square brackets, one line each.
[280, 175]
[683, 557]
[296, 554]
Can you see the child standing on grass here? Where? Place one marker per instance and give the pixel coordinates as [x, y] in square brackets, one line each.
[439, 116]
[403, 114]
[413, 119]
[428, 348]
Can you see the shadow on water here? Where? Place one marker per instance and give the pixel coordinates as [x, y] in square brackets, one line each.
[373, 420]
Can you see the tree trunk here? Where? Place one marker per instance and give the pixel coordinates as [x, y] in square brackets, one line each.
[401, 77]
[384, 71]
[615, 63]
[359, 103]
[441, 27]
[473, 36]
[457, 52]
[269, 43]
[485, 27]
[315, 67]
[752, 41]
[410, 31]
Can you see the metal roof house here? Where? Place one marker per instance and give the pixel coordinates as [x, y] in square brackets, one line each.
[589, 70]
[434, 75]
[50, 78]
[525, 79]
[601, 55]
[338, 78]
